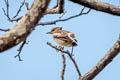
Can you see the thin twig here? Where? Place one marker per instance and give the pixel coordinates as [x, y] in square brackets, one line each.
[20, 49]
[6, 13]
[64, 66]
[63, 14]
[61, 20]
[26, 4]
[15, 19]
[5, 30]
[56, 4]
[7, 6]
[71, 57]
[22, 4]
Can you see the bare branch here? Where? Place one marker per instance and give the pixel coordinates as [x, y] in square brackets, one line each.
[5, 30]
[15, 19]
[25, 25]
[56, 4]
[61, 20]
[22, 4]
[59, 8]
[20, 49]
[26, 4]
[64, 66]
[111, 54]
[63, 14]
[7, 13]
[7, 6]
[70, 56]
[99, 6]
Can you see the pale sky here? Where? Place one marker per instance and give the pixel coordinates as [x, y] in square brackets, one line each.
[96, 32]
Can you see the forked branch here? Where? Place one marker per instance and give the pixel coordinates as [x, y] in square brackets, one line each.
[70, 56]
[64, 66]
[59, 8]
[111, 54]
[61, 20]
[6, 13]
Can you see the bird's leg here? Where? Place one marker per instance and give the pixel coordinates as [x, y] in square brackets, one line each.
[61, 47]
[72, 51]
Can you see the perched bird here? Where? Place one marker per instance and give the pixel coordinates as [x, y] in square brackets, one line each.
[63, 38]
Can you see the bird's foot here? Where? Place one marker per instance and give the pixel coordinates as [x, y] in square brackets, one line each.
[60, 48]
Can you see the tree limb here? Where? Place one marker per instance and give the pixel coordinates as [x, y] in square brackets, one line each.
[70, 56]
[6, 13]
[99, 6]
[111, 54]
[25, 25]
[5, 30]
[60, 20]
[64, 66]
[22, 4]
[55, 10]
[7, 7]
[20, 49]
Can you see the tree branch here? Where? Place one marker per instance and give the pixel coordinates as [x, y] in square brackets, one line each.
[60, 20]
[99, 6]
[64, 66]
[5, 30]
[20, 49]
[6, 13]
[55, 10]
[70, 56]
[111, 54]
[25, 25]
[22, 4]
[7, 7]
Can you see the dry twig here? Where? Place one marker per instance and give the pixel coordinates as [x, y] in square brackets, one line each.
[22, 4]
[64, 66]
[59, 8]
[7, 6]
[26, 4]
[70, 56]
[6, 13]
[5, 30]
[61, 20]
[20, 49]
[63, 14]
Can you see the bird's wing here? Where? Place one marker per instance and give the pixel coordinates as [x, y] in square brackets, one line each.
[68, 33]
[63, 37]
[63, 34]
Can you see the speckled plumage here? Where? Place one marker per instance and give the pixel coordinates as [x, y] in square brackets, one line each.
[63, 37]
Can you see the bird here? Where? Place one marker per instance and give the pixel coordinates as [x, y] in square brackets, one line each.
[63, 38]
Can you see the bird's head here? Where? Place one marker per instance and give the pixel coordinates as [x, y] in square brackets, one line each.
[54, 30]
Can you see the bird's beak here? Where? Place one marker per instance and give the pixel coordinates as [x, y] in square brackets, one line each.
[48, 33]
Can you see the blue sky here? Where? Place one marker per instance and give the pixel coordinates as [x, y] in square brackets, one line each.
[96, 32]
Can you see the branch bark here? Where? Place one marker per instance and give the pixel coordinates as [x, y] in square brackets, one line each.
[99, 6]
[25, 25]
[103, 62]
[58, 9]
[64, 66]
[70, 56]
